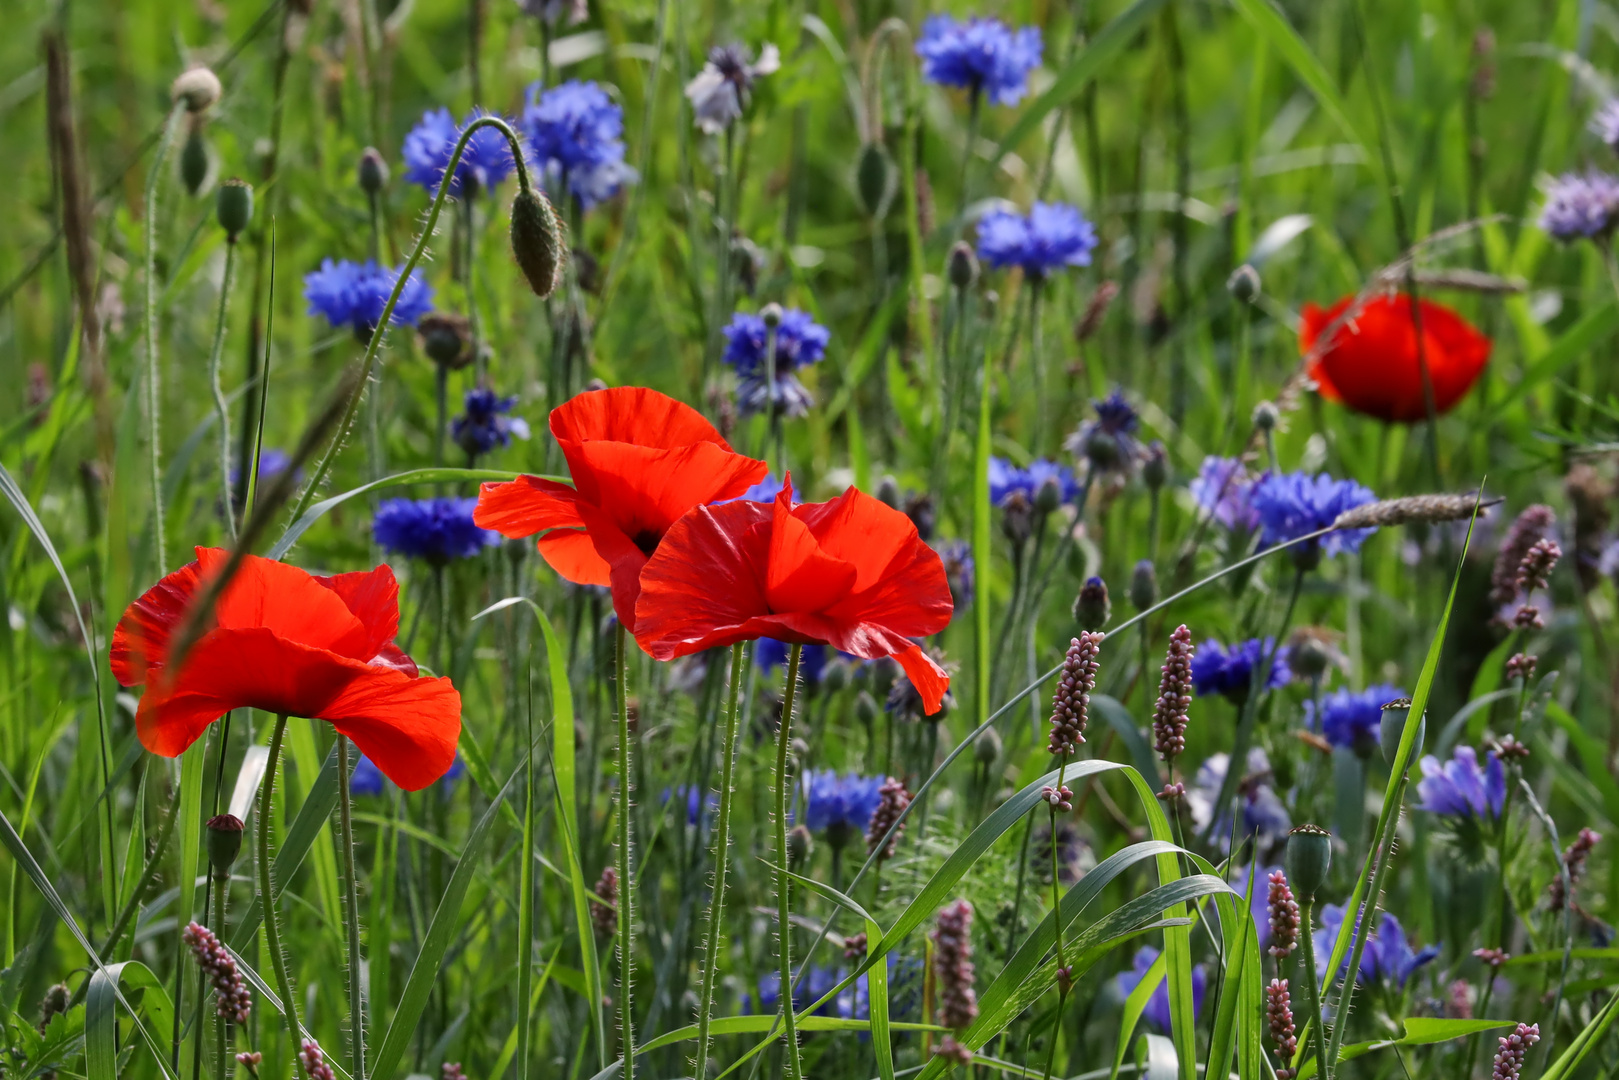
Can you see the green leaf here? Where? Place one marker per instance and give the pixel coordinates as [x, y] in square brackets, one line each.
[101, 1013]
[446, 920]
[413, 476]
[1124, 725]
[1419, 1031]
[1590, 1037]
[1273, 26]
[1134, 1005]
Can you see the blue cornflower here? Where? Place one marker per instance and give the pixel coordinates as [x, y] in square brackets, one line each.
[771, 654]
[1351, 719]
[1225, 491]
[1387, 956]
[1605, 124]
[486, 161]
[841, 806]
[800, 341]
[959, 570]
[1218, 670]
[576, 133]
[1157, 1010]
[1581, 206]
[1292, 505]
[272, 463]
[437, 530]
[692, 796]
[1264, 817]
[980, 55]
[354, 294]
[1460, 789]
[1052, 236]
[367, 779]
[1108, 442]
[765, 491]
[720, 91]
[483, 426]
[1006, 479]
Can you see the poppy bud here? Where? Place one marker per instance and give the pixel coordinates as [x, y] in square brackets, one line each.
[800, 748]
[1144, 585]
[1048, 496]
[224, 843]
[771, 315]
[1092, 609]
[373, 171]
[874, 179]
[446, 338]
[963, 268]
[865, 707]
[199, 88]
[888, 492]
[194, 161]
[987, 747]
[1155, 466]
[1307, 859]
[1266, 415]
[800, 846]
[234, 207]
[1244, 283]
[1391, 729]
[537, 241]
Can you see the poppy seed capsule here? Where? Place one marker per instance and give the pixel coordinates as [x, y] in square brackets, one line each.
[199, 88]
[1307, 859]
[224, 843]
[1244, 283]
[234, 207]
[987, 747]
[537, 241]
[194, 162]
[963, 267]
[1391, 728]
[373, 171]
[1092, 608]
[874, 179]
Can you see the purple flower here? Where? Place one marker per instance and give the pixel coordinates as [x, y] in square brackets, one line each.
[1216, 670]
[1581, 207]
[576, 133]
[844, 803]
[366, 779]
[1459, 788]
[1052, 236]
[692, 796]
[720, 91]
[1291, 505]
[1157, 1010]
[354, 295]
[771, 654]
[1264, 817]
[1605, 124]
[1005, 479]
[485, 162]
[1350, 719]
[1224, 489]
[980, 55]
[437, 530]
[1108, 442]
[483, 426]
[765, 491]
[1387, 957]
[800, 341]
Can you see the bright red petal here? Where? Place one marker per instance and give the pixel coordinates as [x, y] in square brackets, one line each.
[391, 655]
[290, 603]
[800, 576]
[645, 490]
[632, 414]
[1457, 354]
[1372, 364]
[141, 639]
[408, 727]
[373, 597]
[572, 554]
[873, 642]
[624, 560]
[911, 596]
[705, 581]
[525, 506]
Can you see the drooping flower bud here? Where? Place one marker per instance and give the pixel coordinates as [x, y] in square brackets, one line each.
[224, 843]
[537, 241]
[874, 180]
[1266, 415]
[963, 266]
[446, 338]
[199, 88]
[372, 172]
[234, 207]
[800, 846]
[1307, 859]
[1144, 585]
[1092, 609]
[1017, 517]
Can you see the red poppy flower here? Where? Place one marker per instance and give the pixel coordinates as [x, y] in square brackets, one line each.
[1371, 363]
[851, 573]
[639, 460]
[286, 641]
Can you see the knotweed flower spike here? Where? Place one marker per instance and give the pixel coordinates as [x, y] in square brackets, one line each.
[1279, 1019]
[953, 974]
[1508, 1064]
[602, 916]
[1534, 524]
[1070, 701]
[1284, 916]
[892, 800]
[314, 1062]
[231, 999]
[1174, 699]
[1574, 859]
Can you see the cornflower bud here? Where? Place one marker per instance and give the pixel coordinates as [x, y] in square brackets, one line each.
[1092, 609]
[1070, 701]
[865, 707]
[372, 172]
[1514, 1048]
[892, 801]
[1017, 517]
[314, 1061]
[446, 338]
[199, 88]
[1284, 916]
[1307, 858]
[987, 747]
[1144, 585]
[800, 846]
[1244, 283]
[231, 998]
[1048, 496]
[953, 975]
[1174, 696]
[1279, 1017]
[604, 917]
[537, 241]
[963, 265]
[1266, 416]
[771, 314]
[1155, 466]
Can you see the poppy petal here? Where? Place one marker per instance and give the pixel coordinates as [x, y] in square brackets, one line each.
[705, 580]
[911, 597]
[644, 490]
[525, 506]
[799, 575]
[141, 638]
[572, 554]
[391, 655]
[287, 601]
[632, 414]
[408, 727]
[373, 597]
[1372, 363]
[871, 642]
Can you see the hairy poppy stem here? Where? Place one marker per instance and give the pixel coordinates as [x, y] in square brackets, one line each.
[154, 413]
[795, 1068]
[1312, 989]
[220, 406]
[272, 915]
[722, 844]
[351, 913]
[626, 900]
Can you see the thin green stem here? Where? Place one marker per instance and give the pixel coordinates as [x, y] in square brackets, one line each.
[272, 914]
[722, 845]
[351, 914]
[221, 889]
[1312, 991]
[626, 877]
[975, 111]
[220, 406]
[154, 414]
[795, 1067]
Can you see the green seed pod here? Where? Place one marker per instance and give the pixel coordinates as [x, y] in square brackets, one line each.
[987, 747]
[1048, 496]
[1266, 415]
[1155, 467]
[1307, 859]
[234, 206]
[835, 677]
[1391, 729]
[194, 161]
[800, 846]
[224, 843]
[874, 178]
[771, 314]
[1144, 585]
[373, 171]
[537, 241]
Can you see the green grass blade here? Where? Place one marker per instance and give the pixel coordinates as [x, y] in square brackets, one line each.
[1134, 1005]
[1587, 1040]
[981, 549]
[306, 826]
[101, 1013]
[1273, 26]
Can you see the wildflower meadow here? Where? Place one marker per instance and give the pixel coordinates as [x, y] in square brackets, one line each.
[810, 539]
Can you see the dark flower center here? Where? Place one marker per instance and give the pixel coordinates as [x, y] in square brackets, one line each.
[647, 540]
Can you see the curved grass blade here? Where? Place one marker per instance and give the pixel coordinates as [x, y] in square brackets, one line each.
[1134, 1006]
[1274, 27]
[101, 1013]
[1419, 1031]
